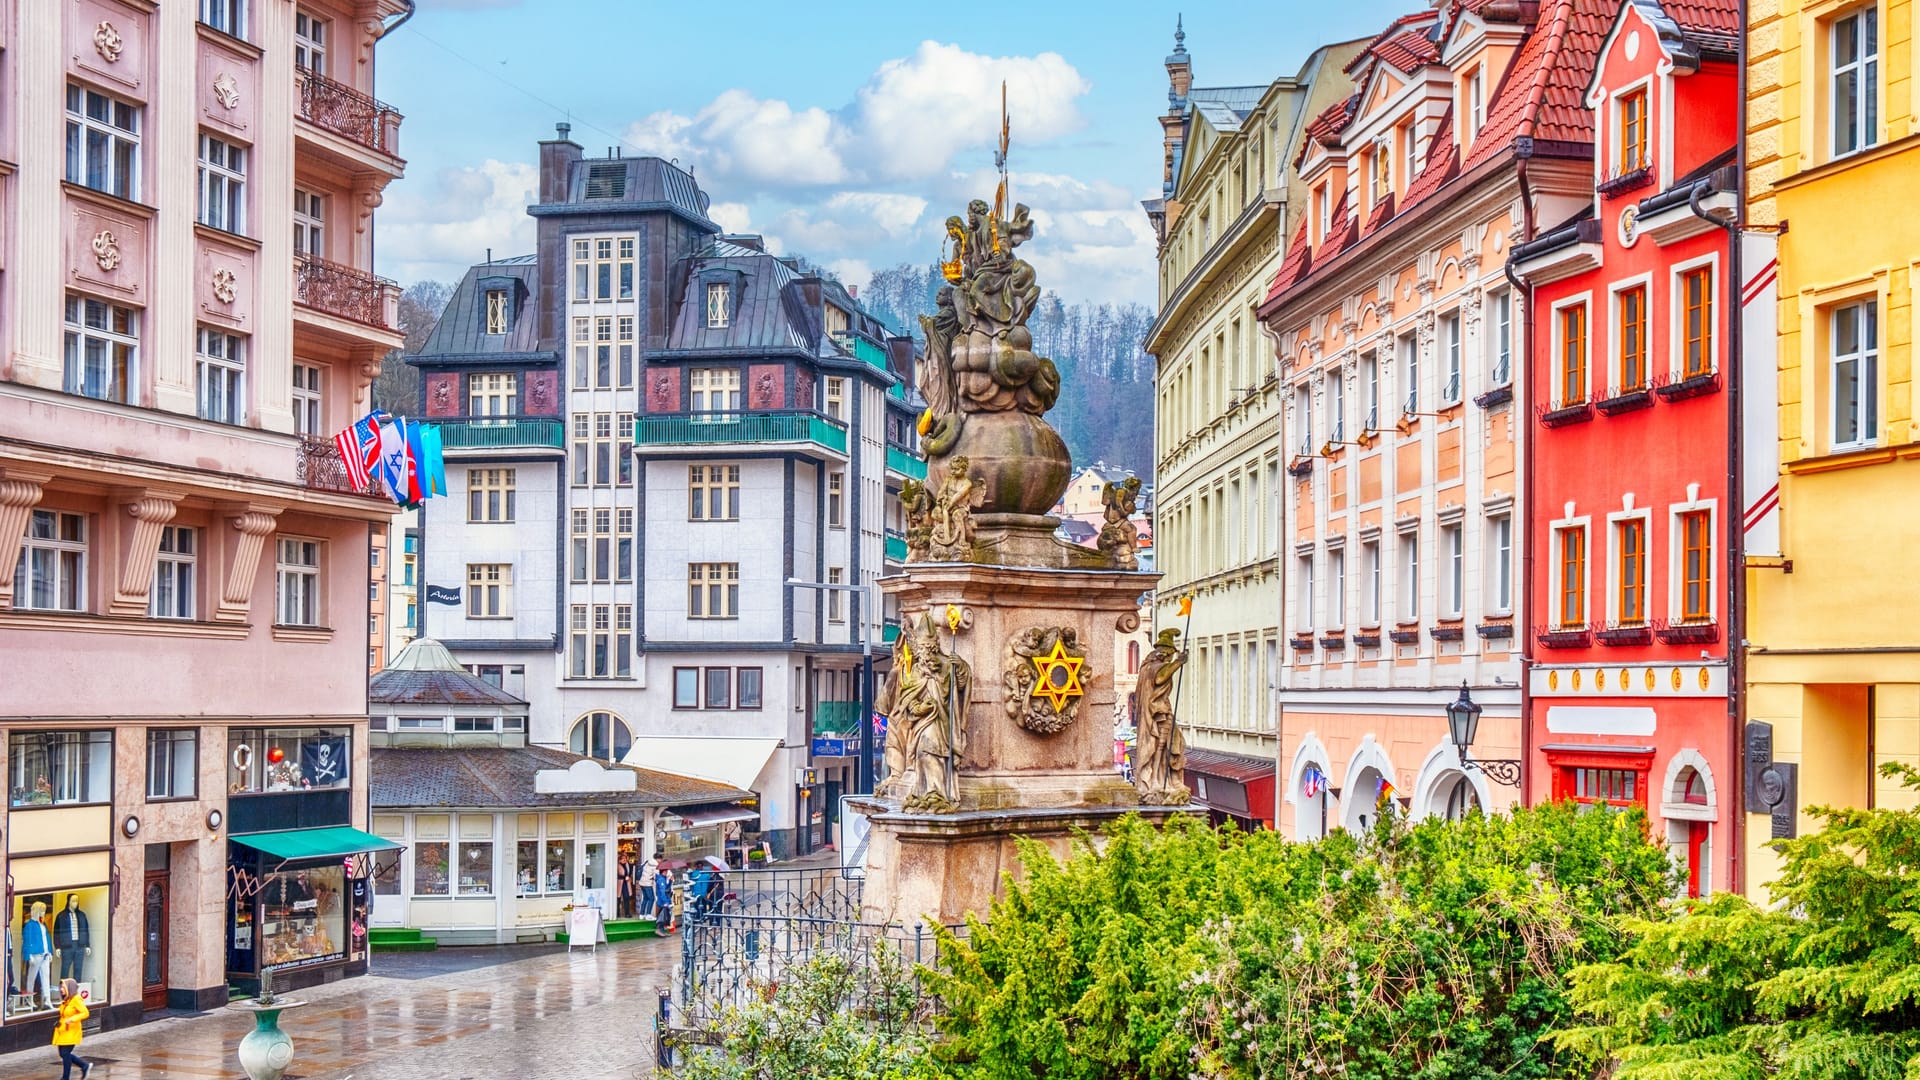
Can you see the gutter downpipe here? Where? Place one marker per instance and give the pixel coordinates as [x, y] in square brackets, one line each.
[412, 6]
[1523, 152]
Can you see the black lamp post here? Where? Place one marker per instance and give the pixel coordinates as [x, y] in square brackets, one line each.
[1463, 723]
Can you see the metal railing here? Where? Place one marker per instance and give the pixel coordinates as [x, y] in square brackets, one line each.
[711, 428]
[476, 433]
[906, 463]
[347, 112]
[836, 717]
[896, 547]
[317, 466]
[339, 289]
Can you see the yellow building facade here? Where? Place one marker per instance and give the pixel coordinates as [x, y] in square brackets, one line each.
[1833, 663]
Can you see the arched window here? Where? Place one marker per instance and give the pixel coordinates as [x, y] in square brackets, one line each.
[1133, 658]
[601, 735]
[1693, 787]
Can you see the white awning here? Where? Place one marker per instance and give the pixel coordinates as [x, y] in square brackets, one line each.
[735, 762]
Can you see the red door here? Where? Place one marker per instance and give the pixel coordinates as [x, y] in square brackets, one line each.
[1698, 853]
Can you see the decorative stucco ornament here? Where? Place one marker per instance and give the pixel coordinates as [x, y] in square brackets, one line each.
[223, 285]
[107, 42]
[1044, 672]
[106, 250]
[226, 90]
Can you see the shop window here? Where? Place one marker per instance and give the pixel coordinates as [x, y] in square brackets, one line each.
[386, 872]
[173, 759]
[476, 867]
[558, 874]
[303, 917]
[58, 934]
[288, 759]
[430, 867]
[60, 768]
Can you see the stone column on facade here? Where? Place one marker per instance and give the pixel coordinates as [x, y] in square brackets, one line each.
[151, 509]
[19, 493]
[253, 523]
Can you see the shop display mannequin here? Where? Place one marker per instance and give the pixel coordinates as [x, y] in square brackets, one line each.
[36, 951]
[72, 940]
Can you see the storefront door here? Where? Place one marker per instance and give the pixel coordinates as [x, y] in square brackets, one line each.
[153, 943]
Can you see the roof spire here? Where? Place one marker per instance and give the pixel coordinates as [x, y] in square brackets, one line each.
[1179, 34]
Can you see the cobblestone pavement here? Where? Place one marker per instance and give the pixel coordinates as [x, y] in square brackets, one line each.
[537, 1014]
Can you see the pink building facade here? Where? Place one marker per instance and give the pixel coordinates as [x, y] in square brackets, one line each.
[187, 312]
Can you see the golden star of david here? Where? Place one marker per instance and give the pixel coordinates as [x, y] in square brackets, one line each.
[1059, 676]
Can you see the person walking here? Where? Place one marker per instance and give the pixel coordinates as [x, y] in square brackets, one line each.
[663, 901]
[66, 1033]
[649, 870]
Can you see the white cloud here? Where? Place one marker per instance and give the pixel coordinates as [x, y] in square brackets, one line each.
[732, 216]
[438, 228]
[894, 213]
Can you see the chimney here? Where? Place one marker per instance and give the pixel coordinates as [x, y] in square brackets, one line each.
[557, 156]
[853, 292]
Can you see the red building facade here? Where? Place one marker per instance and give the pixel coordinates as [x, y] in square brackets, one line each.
[1629, 457]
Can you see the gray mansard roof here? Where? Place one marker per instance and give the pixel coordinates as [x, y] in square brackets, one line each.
[462, 329]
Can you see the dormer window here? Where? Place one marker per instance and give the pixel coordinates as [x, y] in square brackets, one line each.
[497, 311]
[1382, 170]
[1633, 131]
[1476, 109]
[719, 305]
[1323, 202]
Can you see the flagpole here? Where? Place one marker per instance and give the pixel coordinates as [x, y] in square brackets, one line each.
[1180, 677]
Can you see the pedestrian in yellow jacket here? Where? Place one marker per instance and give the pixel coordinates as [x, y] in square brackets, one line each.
[66, 1033]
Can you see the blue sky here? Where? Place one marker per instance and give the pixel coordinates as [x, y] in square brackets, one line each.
[845, 132]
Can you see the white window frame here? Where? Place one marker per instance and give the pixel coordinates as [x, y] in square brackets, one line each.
[310, 41]
[1452, 330]
[1337, 588]
[1867, 403]
[1374, 571]
[1370, 378]
[1303, 415]
[309, 223]
[833, 397]
[1677, 562]
[1408, 564]
[1408, 346]
[713, 390]
[292, 570]
[491, 495]
[1555, 529]
[121, 146]
[176, 567]
[1336, 394]
[1476, 109]
[1677, 325]
[1616, 345]
[227, 16]
[220, 375]
[222, 191]
[1499, 528]
[499, 304]
[713, 493]
[713, 591]
[82, 334]
[1453, 543]
[489, 590]
[719, 305]
[836, 500]
[65, 561]
[493, 395]
[1303, 612]
[1866, 115]
[309, 399]
[1557, 348]
[1614, 521]
[1500, 339]
[836, 599]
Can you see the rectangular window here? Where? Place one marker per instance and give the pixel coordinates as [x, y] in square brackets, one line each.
[602, 450]
[623, 641]
[623, 368]
[1409, 577]
[226, 16]
[581, 541]
[489, 591]
[713, 590]
[1573, 355]
[309, 414]
[1856, 375]
[1633, 131]
[223, 185]
[490, 495]
[52, 572]
[1630, 553]
[623, 448]
[715, 390]
[494, 394]
[836, 600]
[603, 545]
[713, 493]
[603, 268]
[1696, 599]
[1450, 341]
[173, 761]
[475, 862]
[1336, 407]
[603, 352]
[582, 269]
[1476, 101]
[172, 596]
[1453, 545]
[686, 688]
[1500, 319]
[1500, 566]
[497, 311]
[102, 349]
[1410, 372]
[582, 354]
[1303, 415]
[60, 768]
[623, 544]
[1696, 288]
[836, 397]
[1631, 307]
[1613, 786]
[836, 500]
[220, 371]
[298, 575]
[626, 267]
[1336, 588]
[577, 640]
[1303, 596]
[1371, 554]
[719, 305]
[1370, 379]
[1571, 545]
[309, 42]
[1854, 95]
[719, 693]
[309, 223]
[747, 688]
[103, 142]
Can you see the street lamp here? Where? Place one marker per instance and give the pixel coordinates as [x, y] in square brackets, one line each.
[864, 780]
[1463, 723]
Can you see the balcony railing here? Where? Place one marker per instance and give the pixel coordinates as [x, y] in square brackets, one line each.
[863, 350]
[906, 463]
[348, 113]
[714, 428]
[896, 547]
[339, 289]
[836, 717]
[317, 466]
[502, 434]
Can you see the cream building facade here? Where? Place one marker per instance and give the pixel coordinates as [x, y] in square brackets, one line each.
[1229, 200]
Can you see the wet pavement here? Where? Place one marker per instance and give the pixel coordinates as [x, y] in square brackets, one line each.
[520, 1012]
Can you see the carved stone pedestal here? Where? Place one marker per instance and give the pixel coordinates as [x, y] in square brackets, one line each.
[1037, 744]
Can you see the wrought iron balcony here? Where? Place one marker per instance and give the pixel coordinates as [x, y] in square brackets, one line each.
[348, 113]
[339, 289]
[500, 433]
[317, 466]
[718, 428]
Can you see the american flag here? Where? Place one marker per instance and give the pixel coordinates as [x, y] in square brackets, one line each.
[359, 446]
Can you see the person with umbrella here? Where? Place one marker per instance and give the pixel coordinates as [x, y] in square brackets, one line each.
[663, 900]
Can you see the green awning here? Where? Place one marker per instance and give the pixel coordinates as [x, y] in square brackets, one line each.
[314, 843]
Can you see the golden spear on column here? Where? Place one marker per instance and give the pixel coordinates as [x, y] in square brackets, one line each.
[1000, 162]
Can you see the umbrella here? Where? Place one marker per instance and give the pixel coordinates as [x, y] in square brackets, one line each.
[716, 862]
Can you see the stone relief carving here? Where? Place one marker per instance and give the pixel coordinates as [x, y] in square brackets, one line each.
[106, 250]
[926, 698]
[763, 389]
[539, 395]
[1044, 673]
[1119, 536]
[950, 522]
[226, 90]
[442, 397]
[660, 394]
[224, 284]
[107, 42]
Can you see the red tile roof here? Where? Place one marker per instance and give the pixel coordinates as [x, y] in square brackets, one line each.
[1414, 22]
[1325, 129]
[1409, 51]
[1704, 16]
[1541, 94]
[1294, 267]
[1382, 212]
[1440, 167]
